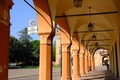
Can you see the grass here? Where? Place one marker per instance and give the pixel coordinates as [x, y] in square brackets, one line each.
[55, 67]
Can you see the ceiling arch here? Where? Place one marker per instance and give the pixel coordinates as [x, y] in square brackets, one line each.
[104, 16]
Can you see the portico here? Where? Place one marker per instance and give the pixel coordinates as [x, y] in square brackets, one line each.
[83, 30]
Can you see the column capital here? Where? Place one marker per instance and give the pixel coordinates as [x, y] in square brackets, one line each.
[91, 55]
[5, 6]
[65, 47]
[7, 3]
[81, 55]
[45, 38]
[10, 4]
[75, 52]
[86, 54]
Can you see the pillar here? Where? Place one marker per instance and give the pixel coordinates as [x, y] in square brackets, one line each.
[111, 60]
[92, 63]
[86, 61]
[45, 70]
[119, 55]
[76, 73]
[65, 62]
[5, 6]
[82, 62]
[46, 32]
[66, 44]
[82, 59]
[89, 61]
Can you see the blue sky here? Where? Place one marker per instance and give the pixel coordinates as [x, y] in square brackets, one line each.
[20, 14]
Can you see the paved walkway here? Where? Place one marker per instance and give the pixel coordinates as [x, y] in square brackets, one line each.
[100, 73]
[18, 73]
[29, 74]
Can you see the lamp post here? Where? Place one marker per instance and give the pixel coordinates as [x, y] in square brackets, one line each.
[77, 3]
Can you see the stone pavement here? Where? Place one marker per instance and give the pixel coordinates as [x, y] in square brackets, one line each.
[29, 74]
[100, 73]
[18, 73]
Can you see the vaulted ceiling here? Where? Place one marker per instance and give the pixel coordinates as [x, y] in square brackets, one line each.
[104, 16]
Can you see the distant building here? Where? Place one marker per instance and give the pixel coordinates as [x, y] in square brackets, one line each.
[58, 47]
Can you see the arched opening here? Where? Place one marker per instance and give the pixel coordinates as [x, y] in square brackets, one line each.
[104, 59]
[27, 56]
[101, 58]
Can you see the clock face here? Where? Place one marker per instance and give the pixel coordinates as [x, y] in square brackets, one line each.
[32, 22]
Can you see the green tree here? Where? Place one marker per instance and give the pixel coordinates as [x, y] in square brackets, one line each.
[54, 51]
[35, 52]
[26, 46]
[24, 36]
[15, 50]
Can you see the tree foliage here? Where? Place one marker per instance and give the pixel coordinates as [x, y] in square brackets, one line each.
[15, 49]
[24, 36]
[54, 51]
[35, 51]
[26, 51]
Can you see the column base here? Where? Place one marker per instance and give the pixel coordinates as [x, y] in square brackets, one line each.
[82, 74]
[76, 77]
[66, 78]
[86, 72]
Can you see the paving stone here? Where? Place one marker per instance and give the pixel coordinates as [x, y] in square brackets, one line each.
[100, 73]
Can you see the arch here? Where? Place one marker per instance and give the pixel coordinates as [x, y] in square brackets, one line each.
[46, 32]
[66, 43]
[44, 20]
[98, 49]
[103, 59]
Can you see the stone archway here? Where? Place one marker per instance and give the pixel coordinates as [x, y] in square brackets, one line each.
[104, 58]
[99, 55]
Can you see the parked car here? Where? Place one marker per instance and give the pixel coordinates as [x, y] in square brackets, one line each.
[13, 66]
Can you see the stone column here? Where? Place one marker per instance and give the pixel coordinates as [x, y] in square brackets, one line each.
[89, 61]
[65, 62]
[5, 6]
[82, 67]
[92, 63]
[45, 71]
[86, 62]
[4, 50]
[76, 73]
